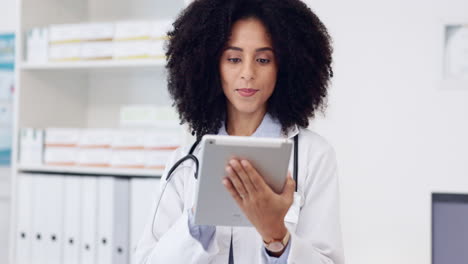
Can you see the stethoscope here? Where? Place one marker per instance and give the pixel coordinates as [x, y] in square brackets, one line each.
[190, 156]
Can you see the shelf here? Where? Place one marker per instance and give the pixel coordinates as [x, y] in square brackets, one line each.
[90, 170]
[103, 64]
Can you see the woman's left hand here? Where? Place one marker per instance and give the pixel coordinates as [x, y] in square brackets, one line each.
[261, 205]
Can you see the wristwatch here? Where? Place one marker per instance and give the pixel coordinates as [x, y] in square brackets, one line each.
[276, 245]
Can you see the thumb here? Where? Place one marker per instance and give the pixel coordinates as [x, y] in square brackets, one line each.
[289, 187]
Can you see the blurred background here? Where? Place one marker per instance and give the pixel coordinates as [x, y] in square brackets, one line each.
[397, 118]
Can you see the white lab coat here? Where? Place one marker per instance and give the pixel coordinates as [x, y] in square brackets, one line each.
[313, 219]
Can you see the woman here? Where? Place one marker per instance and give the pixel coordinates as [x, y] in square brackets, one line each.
[250, 68]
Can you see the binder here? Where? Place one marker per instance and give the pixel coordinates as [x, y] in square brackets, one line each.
[143, 193]
[88, 245]
[71, 220]
[38, 216]
[53, 204]
[47, 219]
[113, 224]
[23, 218]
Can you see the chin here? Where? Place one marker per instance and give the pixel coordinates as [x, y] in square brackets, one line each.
[247, 108]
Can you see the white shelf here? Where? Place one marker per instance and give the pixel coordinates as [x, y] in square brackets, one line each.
[81, 94]
[103, 64]
[91, 170]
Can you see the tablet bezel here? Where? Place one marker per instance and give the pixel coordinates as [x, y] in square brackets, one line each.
[213, 203]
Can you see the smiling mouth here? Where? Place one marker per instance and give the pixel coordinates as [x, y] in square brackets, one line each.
[247, 92]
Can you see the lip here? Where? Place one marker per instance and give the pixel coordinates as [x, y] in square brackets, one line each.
[247, 92]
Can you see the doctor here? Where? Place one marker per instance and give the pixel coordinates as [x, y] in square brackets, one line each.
[250, 68]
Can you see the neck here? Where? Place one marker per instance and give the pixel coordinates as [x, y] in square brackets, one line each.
[243, 124]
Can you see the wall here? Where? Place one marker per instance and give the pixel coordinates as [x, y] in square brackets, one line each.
[399, 133]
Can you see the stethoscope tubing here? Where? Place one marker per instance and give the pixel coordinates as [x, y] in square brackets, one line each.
[190, 156]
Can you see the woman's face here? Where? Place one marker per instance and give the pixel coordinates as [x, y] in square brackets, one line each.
[248, 67]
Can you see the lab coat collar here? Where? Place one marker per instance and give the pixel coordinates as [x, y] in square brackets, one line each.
[269, 127]
[293, 131]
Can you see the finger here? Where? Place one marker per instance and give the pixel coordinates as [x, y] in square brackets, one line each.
[256, 179]
[243, 175]
[289, 187]
[236, 182]
[228, 184]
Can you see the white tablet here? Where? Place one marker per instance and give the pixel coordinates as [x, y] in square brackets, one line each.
[214, 205]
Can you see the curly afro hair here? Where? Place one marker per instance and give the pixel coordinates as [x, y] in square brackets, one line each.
[302, 48]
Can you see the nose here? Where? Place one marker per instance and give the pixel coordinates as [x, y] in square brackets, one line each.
[247, 72]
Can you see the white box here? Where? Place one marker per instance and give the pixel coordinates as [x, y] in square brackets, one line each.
[96, 138]
[62, 137]
[75, 33]
[97, 31]
[96, 50]
[156, 159]
[163, 139]
[159, 37]
[37, 45]
[94, 157]
[128, 139]
[133, 30]
[132, 49]
[65, 33]
[65, 52]
[63, 156]
[159, 28]
[128, 159]
[31, 146]
[157, 49]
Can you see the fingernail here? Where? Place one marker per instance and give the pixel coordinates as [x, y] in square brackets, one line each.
[228, 169]
[244, 162]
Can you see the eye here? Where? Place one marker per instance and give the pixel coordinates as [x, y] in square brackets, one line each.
[234, 60]
[263, 61]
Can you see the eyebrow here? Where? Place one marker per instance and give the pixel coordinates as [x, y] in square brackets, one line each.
[257, 50]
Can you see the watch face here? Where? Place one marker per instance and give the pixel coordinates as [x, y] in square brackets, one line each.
[275, 246]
